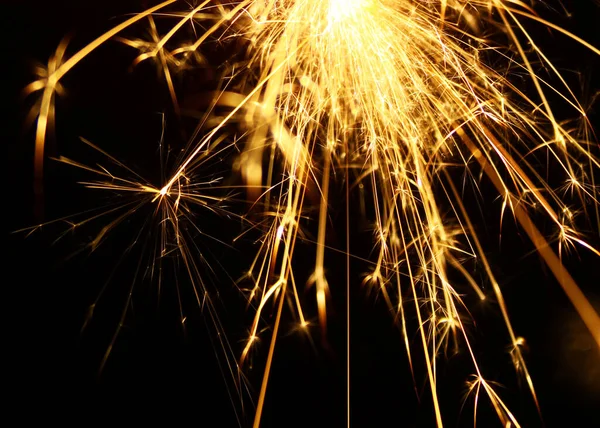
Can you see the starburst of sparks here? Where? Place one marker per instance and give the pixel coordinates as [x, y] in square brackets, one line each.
[391, 97]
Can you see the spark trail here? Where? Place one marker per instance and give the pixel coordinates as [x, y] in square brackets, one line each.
[394, 95]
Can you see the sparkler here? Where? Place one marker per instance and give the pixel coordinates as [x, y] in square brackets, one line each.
[391, 96]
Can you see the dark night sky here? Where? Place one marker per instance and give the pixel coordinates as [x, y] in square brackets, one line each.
[158, 370]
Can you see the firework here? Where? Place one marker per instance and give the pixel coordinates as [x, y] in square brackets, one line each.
[391, 96]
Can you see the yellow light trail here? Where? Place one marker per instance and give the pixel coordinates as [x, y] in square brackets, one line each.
[391, 95]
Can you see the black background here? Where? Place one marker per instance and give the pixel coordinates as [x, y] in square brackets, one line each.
[159, 369]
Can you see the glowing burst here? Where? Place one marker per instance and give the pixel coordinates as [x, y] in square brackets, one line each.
[393, 95]
[340, 10]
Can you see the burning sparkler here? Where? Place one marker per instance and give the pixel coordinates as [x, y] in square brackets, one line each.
[393, 95]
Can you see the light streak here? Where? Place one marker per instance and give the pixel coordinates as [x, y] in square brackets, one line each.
[392, 95]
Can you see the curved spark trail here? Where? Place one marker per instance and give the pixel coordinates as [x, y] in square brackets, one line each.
[390, 95]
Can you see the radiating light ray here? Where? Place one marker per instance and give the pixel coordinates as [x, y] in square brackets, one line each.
[393, 95]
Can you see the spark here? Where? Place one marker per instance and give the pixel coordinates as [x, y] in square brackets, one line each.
[393, 96]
